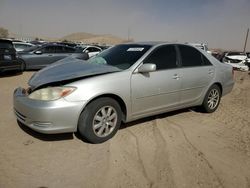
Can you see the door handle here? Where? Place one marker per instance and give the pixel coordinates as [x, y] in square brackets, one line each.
[176, 77]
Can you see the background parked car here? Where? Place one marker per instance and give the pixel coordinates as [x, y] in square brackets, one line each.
[248, 59]
[202, 46]
[38, 42]
[20, 46]
[90, 50]
[237, 59]
[38, 57]
[8, 57]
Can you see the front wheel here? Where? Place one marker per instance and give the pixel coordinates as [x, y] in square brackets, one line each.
[23, 65]
[100, 120]
[212, 99]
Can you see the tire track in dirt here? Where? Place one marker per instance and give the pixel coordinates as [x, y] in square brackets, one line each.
[162, 174]
[140, 160]
[234, 114]
[162, 157]
[190, 165]
[199, 153]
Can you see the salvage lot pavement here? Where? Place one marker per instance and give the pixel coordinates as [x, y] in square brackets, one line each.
[179, 149]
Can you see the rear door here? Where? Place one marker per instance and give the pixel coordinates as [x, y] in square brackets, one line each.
[157, 91]
[196, 72]
[62, 52]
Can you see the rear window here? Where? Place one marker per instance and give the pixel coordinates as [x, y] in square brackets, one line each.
[6, 44]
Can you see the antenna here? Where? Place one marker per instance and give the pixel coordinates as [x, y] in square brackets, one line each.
[246, 41]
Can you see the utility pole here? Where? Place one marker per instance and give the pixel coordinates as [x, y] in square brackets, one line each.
[246, 41]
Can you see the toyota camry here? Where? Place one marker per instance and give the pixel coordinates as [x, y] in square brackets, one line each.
[121, 84]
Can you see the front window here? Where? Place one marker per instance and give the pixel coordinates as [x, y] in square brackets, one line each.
[121, 56]
[163, 57]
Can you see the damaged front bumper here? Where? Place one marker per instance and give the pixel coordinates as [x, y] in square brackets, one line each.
[47, 117]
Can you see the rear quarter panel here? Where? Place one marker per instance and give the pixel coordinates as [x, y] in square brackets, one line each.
[223, 74]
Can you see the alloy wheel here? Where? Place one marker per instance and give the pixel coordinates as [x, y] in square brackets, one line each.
[104, 121]
[213, 99]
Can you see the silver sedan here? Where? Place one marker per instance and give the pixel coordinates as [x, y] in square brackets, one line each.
[121, 84]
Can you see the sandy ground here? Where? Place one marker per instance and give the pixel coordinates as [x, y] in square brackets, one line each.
[179, 149]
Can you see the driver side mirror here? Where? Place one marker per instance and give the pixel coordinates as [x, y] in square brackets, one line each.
[38, 52]
[145, 68]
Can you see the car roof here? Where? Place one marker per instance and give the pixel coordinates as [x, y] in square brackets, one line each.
[6, 41]
[150, 43]
[22, 43]
[157, 43]
[55, 44]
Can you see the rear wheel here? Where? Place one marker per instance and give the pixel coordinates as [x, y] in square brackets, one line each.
[100, 120]
[23, 65]
[212, 99]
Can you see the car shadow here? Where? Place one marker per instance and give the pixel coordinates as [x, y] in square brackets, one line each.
[45, 137]
[10, 74]
[152, 118]
[77, 135]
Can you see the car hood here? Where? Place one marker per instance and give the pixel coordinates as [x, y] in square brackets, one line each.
[68, 69]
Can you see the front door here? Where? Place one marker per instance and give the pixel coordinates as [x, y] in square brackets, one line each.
[154, 92]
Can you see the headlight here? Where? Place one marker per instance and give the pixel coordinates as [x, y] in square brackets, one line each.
[51, 93]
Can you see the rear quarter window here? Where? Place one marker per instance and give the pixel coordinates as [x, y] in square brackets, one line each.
[191, 57]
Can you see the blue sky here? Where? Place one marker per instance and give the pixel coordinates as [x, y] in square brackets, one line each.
[220, 23]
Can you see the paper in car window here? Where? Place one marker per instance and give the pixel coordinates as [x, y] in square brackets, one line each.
[135, 49]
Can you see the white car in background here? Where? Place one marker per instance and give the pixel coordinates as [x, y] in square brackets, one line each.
[90, 50]
[20, 46]
[237, 59]
[202, 46]
[248, 59]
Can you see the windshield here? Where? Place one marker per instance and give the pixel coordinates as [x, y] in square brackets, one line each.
[121, 56]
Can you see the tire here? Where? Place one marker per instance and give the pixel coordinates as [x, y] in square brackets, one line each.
[100, 120]
[212, 99]
[23, 65]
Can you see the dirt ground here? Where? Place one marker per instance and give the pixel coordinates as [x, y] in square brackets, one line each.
[179, 149]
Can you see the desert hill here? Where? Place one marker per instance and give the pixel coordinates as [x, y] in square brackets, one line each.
[75, 37]
[92, 38]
